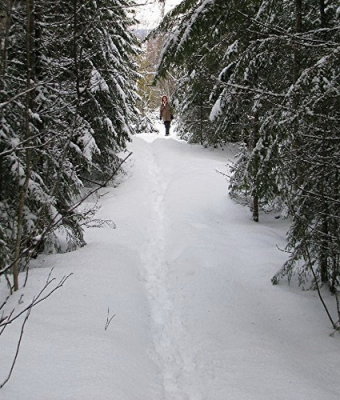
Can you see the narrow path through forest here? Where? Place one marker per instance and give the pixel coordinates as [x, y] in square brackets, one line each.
[187, 275]
[219, 327]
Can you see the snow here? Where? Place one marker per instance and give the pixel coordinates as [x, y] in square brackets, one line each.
[149, 12]
[193, 19]
[187, 275]
[216, 109]
[97, 82]
[89, 144]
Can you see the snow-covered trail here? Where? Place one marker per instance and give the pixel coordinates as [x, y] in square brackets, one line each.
[187, 274]
[220, 328]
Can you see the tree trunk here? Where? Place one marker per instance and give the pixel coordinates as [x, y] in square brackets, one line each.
[298, 15]
[75, 49]
[298, 29]
[296, 74]
[323, 259]
[325, 236]
[201, 118]
[5, 18]
[255, 208]
[255, 193]
[28, 108]
[323, 19]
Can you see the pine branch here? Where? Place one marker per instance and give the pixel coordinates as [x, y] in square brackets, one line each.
[58, 219]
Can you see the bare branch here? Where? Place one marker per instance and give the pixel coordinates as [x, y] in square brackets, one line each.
[17, 349]
[58, 218]
[108, 318]
[249, 89]
[38, 299]
[223, 173]
[310, 264]
[6, 321]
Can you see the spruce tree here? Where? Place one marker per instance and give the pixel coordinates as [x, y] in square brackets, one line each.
[275, 93]
[67, 105]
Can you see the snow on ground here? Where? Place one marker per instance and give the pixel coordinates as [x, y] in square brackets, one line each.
[187, 274]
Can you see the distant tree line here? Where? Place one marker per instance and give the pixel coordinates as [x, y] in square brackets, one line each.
[67, 105]
[265, 74]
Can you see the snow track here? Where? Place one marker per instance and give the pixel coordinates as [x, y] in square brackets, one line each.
[187, 274]
[215, 318]
[176, 366]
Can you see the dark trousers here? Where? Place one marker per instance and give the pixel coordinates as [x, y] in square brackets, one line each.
[167, 127]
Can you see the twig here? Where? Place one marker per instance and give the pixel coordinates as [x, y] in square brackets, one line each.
[337, 305]
[100, 223]
[248, 89]
[17, 349]
[5, 302]
[222, 173]
[56, 220]
[35, 301]
[90, 181]
[4, 319]
[108, 318]
[9, 284]
[319, 292]
[37, 298]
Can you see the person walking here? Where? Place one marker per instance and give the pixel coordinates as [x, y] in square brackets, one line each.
[166, 114]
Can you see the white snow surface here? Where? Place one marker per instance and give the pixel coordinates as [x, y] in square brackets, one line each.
[187, 275]
[149, 12]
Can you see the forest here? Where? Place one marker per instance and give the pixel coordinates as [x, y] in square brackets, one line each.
[67, 108]
[77, 85]
[265, 75]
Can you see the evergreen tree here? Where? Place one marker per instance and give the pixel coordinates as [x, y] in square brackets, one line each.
[194, 57]
[67, 104]
[312, 111]
[275, 93]
[104, 54]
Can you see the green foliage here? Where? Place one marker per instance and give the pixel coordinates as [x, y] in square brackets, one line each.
[271, 76]
[68, 120]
